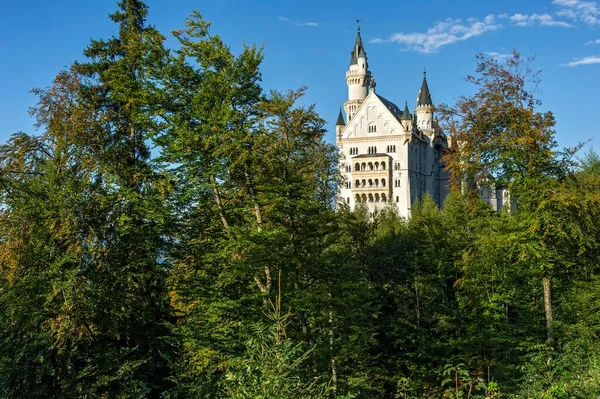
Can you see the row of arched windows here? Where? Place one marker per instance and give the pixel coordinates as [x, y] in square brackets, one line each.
[369, 183]
[369, 166]
[372, 150]
[391, 148]
[371, 198]
[354, 151]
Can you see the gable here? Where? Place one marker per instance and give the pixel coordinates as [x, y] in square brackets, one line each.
[376, 117]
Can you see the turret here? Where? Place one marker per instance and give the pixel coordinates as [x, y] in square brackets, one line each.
[339, 125]
[425, 108]
[358, 77]
[406, 118]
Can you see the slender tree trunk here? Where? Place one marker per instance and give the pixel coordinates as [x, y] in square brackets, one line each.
[219, 201]
[265, 288]
[333, 365]
[548, 308]
[257, 210]
[301, 314]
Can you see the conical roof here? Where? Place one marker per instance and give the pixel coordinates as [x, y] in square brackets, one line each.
[424, 95]
[358, 50]
[406, 113]
[340, 119]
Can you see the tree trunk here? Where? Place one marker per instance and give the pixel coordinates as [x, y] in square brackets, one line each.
[219, 201]
[334, 378]
[548, 308]
[257, 210]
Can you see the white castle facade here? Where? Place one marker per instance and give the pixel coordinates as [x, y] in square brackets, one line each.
[388, 154]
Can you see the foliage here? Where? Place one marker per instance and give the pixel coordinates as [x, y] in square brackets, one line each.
[220, 265]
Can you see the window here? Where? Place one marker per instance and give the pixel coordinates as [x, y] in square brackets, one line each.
[396, 165]
[372, 128]
[397, 199]
[382, 182]
[348, 200]
[391, 148]
[383, 166]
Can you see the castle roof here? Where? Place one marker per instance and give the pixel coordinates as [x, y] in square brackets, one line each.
[424, 95]
[358, 50]
[406, 113]
[340, 119]
[394, 109]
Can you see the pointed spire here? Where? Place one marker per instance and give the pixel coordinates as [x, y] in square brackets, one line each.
[358, 50]
[340, 119]
[406, 113]
[424, 95]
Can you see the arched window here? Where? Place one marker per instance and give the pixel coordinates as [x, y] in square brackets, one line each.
[370, 166]
[363, 198]
[348, 200]
[356, 167]
[383, 166]
[364, 183]
[397, 199]
[370, 183]
[363, 166]
[376, 165]
[396, 165]
[370, 197]
[382, 182]
[376, 182]
[376, 197]
[383, 199]
[357, 183]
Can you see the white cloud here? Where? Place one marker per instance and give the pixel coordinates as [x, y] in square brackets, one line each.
[443, 33]
[498, 56]
[597, 41]
[291, 21]
[579, 11]
[592, 59]
[537, 19]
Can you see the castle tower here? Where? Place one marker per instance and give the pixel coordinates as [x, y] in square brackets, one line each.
[358, 77]
[339, 126]
[425, 108]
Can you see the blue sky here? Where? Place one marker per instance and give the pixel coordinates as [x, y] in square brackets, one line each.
[308, 43]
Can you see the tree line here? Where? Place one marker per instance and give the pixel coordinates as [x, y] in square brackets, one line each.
[173, 232]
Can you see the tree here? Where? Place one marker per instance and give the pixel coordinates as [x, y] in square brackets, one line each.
[86, 230]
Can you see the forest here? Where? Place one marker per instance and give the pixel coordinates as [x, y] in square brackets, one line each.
[173, 231]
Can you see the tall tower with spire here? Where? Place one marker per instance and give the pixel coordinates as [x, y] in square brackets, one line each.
[358, 77]
[425, 108]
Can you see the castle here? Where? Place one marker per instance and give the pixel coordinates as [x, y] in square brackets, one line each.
[387, 154]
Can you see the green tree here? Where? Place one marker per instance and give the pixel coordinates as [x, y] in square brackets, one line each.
[85, 208]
